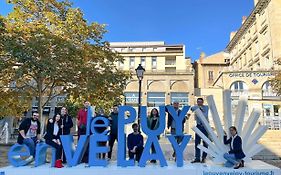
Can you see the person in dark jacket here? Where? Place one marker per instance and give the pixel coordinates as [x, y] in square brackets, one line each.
[113, 117]
[52, 137]
[172, 124]
[29, 133]
[153, 124]
[66, 124]
[135, 143]
[205, 111]
[235, 155]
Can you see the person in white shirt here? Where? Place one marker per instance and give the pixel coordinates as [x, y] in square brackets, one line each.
[235, 155]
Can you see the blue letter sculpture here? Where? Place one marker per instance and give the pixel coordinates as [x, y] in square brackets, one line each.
[41, 154]
[16, 154]
[95, 149]
[74, 157]
[122, 121]
[152, 138]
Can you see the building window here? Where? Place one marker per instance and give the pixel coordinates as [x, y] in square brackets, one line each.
[132, 62]
[170, 69]
[154, 62]
[155, 99]
[143, 61]
[211, 75]
[257, 48]
[239, 88]
[131, 98]
[60, 99]
[181, 97]
[245, 59]
[267, 91]
[170, 61]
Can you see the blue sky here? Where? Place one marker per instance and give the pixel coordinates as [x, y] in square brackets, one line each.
[202, 25]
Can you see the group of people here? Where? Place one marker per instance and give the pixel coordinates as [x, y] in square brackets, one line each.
[62, 123]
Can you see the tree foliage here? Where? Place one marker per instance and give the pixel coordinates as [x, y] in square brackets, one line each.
[49, 49]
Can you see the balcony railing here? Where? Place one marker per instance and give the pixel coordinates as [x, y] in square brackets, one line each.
[269, 94]
[237, 93]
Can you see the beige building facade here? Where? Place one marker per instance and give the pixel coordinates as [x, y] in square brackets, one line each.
[250, 58]
[168, 74]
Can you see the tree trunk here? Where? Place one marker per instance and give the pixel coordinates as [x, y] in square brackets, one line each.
[40, 106]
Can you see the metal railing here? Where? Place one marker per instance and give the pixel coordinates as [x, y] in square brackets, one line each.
[273, 123]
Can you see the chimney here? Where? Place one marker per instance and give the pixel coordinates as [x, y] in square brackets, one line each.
[244, 19]
[202, 56]
[232, 35]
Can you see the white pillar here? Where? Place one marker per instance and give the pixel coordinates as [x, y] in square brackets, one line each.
[256, 135]
[210, 131]
[240, 113]
[215, 115]
[250, 124]
[227, 113]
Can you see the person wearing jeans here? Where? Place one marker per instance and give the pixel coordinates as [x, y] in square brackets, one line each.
[235, 155]
[171, 123]
[204, 109]
[29, 133]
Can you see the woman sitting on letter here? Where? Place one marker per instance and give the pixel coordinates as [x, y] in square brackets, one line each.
[52, 138]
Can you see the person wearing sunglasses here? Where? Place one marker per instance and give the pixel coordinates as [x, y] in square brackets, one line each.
[29, 133]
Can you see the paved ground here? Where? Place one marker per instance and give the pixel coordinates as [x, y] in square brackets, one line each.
[165, 145]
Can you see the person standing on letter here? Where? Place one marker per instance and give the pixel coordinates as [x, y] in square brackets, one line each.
[65, 126]
[29, 133]
[113, 118]
[52, 137]
[172, 123]
[135, 143]
[153, 124]
[82, 119]
[82, 127]
[205, 110]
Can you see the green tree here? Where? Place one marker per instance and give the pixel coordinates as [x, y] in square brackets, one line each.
[48, 49]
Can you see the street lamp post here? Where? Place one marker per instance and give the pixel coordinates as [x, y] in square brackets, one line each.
[139, 71]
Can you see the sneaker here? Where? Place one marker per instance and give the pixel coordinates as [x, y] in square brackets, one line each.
[58, 164]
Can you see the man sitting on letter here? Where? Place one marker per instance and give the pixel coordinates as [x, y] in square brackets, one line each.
[135, 143]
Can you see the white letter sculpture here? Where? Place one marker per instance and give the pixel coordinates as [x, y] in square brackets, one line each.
[248, 132]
